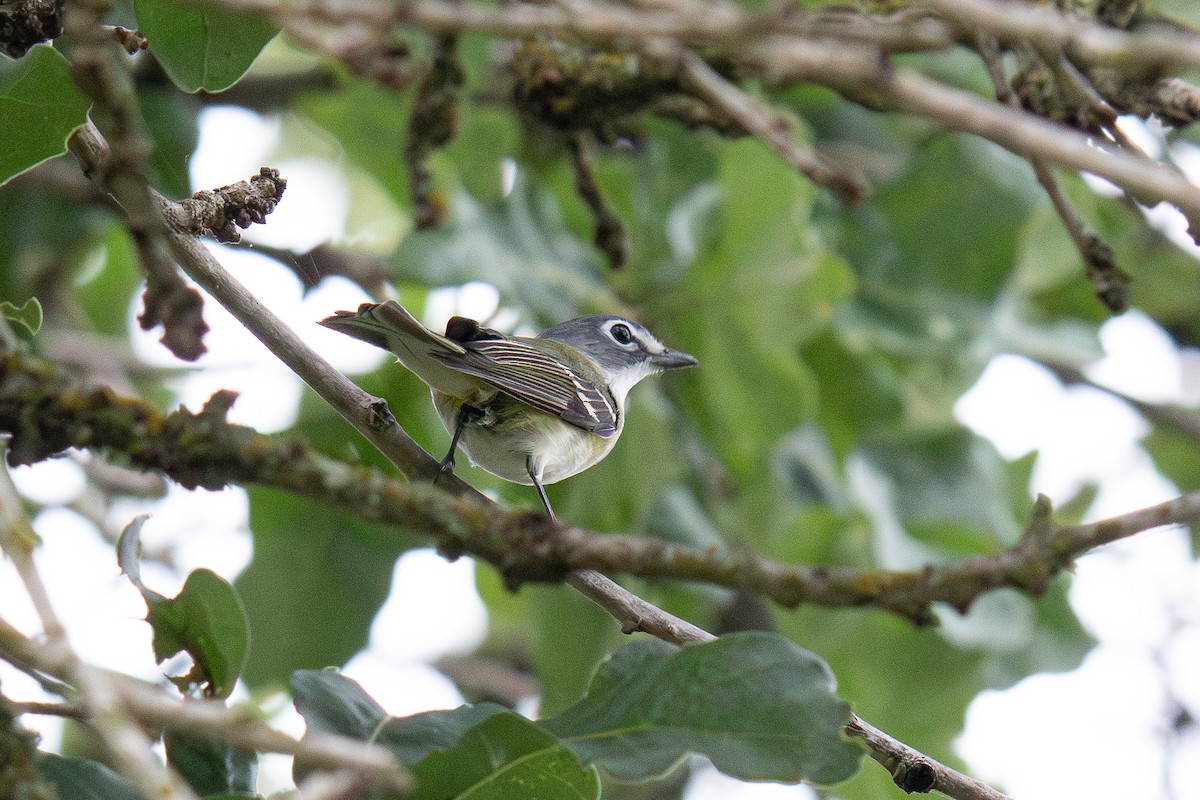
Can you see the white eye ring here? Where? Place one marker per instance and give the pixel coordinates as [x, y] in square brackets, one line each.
[621, 334]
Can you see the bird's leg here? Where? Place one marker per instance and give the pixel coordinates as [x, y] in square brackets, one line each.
[467, 414]
[535, 474]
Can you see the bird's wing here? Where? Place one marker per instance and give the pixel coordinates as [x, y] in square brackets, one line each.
[539, 379]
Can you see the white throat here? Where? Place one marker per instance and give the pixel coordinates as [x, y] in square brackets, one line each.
[621, 382]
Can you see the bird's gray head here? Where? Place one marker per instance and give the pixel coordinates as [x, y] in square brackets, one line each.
[625, 351]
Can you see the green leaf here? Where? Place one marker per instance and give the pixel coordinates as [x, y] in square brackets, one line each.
[333, 703]
[518, 244]
[334, 565]
[651, 704]
[911, 233]
[84, 779]
[171, 120]
[39, 106]
[949, 482]
[209, 768]
[1177, 456]
[206, 619]
[413, 738]
[506, 757]
[28, 315]
[202, 48]
[109, 280]
[764, 288]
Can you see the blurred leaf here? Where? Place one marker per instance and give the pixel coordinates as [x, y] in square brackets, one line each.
[1177, 457]
[39, 106]
[370, 136]
[570, 635]
[486, 137]
[84, 779]
[1073, 511]
[859, 391]
[678, 518]
[506, 757]
[171, 119]
[748, 304]
[518, 245]
[1052, 641]
[332, 703]
[109, 280]
[28, 315]
[41, 235]
[1181, 10]
[650, 704]
[953, 481]
[334, 565]
[910, 233]
[202, 48]
[210, 768]
[206, 619]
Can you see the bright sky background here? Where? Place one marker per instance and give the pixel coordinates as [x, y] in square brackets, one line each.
[1096, 732]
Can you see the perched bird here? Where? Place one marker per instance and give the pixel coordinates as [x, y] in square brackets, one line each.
[529, 410]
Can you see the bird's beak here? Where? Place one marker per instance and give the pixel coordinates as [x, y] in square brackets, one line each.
[672, 359]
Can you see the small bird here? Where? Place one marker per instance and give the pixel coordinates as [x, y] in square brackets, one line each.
[529, 410]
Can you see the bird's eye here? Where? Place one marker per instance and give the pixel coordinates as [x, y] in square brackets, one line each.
[621, 333]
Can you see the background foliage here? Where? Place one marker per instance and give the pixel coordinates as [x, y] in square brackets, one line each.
[834, 340]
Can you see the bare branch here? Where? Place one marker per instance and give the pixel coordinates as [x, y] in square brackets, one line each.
[130, 748]
[157, 709]
[913, 771]
[859, 74]
[758, 120]
[101, 69]
[1090, 42]
[1110, 280]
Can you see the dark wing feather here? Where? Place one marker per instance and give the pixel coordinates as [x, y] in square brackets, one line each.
[539, 379]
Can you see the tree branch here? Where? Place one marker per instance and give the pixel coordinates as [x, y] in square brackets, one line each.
[769, 46]
[156, 709]
[203, 449]
[101, 69]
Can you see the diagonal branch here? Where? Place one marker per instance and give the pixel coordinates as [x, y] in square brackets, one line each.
[759, 120]
[858, 75]
[1111, 282]
[46, 411]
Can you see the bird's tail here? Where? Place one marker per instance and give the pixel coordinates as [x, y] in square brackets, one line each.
[389, 326]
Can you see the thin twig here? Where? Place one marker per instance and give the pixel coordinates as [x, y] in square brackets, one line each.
[610, 236]
[157, 710]
[729, 24]
[914, 771]
[1111, 282]
[768, 50]
[1088, 42]
[760, 121]
[130, 748]
[857, 73]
